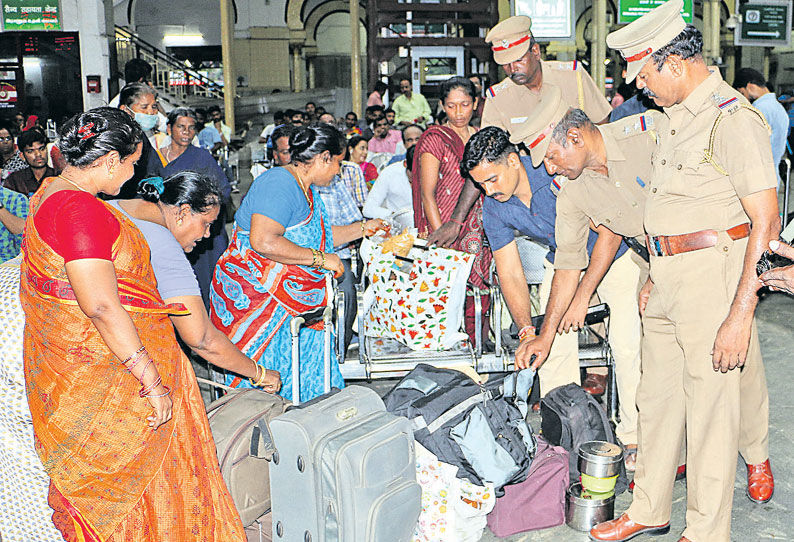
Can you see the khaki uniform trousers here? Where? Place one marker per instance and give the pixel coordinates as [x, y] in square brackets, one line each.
[618, 289]
[680, 395]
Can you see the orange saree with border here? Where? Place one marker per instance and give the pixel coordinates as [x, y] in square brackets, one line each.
[112, 477]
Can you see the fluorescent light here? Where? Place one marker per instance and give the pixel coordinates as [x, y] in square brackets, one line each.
[29, 62]
[177, 40]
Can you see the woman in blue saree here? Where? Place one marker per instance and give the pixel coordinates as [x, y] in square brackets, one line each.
[277, 261]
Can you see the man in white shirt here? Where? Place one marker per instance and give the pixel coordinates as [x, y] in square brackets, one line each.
[392, 193]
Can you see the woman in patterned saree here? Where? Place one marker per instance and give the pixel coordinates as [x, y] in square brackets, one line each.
[437, 183]
[104, 371]
[280, 253]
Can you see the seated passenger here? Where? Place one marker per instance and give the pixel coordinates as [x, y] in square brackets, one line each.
[277, 262]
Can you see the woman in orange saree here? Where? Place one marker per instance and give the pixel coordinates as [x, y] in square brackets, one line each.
[100, 354]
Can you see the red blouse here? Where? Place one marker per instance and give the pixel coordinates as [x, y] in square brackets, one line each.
[77, 225]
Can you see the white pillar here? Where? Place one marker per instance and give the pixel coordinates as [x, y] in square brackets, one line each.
[355, 57]
[88, 17]
[599, 43]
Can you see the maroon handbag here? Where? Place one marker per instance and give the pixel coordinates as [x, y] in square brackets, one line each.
[539, 501]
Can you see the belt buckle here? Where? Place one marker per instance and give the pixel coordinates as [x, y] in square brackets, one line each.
[654, 246]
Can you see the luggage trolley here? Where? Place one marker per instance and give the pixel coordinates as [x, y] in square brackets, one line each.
[594, 349]
[386, 358]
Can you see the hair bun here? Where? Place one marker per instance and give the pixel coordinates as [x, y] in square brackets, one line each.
[151, 188]
[301, 140]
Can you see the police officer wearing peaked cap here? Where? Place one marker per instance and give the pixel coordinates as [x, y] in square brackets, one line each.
[512, 101]
[710, 213]
[617, 280]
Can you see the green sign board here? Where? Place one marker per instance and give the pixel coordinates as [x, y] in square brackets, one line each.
[31, 14]
[631, 10]
[764, 23]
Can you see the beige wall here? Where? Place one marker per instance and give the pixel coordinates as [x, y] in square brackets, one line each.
[264, 58]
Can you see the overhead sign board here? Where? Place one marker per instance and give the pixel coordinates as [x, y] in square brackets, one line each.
[551, 19]
[631, 10]
[31, 15]
[764, 23]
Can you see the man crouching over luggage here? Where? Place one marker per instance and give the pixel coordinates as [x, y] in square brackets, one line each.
[523, 197]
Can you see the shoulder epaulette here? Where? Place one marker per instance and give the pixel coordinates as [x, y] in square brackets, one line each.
[633, 125]
[496, 89]
[557, 183]
[727, 105]
[571, 66]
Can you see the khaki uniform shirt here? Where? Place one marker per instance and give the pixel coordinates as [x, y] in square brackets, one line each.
[508, 104]
[616, 200]
[693, 189]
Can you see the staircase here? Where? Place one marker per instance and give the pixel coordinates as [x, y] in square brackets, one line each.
[174, 80]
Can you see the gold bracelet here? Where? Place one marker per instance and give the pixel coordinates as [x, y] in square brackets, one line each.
[315, 257]
[322, 256]
[363, 229]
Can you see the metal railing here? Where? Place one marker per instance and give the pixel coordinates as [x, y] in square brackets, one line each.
[170, 75]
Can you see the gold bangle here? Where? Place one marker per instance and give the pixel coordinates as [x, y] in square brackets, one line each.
[322, 256]
[363, 229]
[315, 257]
[254, 379]
[261, 381]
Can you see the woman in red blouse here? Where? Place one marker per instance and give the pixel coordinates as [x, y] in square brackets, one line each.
[437, 183]
[104, 372]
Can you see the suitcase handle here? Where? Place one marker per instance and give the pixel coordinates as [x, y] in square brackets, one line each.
[314, 401]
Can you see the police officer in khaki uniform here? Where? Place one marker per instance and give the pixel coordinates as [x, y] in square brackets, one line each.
[511, 102]
[711, 212]
[614, 190]
[607, 173]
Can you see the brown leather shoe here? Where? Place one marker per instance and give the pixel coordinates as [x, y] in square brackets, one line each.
[595, 384]
[624, 528]
[760, 482]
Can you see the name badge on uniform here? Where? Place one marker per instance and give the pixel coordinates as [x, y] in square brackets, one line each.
[518, 120]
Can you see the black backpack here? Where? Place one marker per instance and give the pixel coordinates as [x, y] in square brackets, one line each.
[570, 417]
[480, 429]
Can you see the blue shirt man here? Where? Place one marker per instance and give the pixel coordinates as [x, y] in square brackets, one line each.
[501, 219]
[523, 197]
[752, 85]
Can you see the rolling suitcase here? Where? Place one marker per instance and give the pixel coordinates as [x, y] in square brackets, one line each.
[344, 468]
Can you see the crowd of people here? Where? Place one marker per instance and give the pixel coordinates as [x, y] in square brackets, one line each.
[116, 262]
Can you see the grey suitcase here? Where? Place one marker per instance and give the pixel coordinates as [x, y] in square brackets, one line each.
[344, 469]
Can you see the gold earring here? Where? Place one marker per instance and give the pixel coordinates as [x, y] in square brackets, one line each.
[178, 221]
[110, 173]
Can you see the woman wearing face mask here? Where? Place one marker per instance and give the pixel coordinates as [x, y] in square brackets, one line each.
[278, 259]
[139, 101]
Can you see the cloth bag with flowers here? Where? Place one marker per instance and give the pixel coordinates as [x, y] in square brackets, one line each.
[417, 300]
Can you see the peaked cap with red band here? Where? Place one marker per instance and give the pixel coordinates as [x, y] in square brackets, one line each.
[638, 40]
[536, 131]
[510, 39]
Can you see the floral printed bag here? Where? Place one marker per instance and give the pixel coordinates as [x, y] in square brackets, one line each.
[420, 306]
[453, 509]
